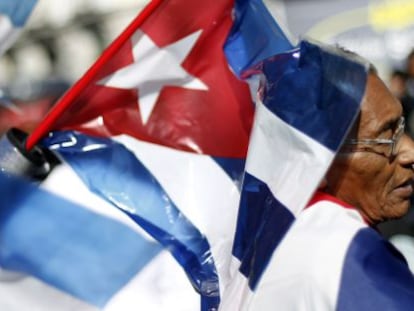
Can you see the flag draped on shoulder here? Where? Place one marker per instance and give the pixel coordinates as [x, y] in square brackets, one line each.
[310, 97]
[13, 16]
[158, 129]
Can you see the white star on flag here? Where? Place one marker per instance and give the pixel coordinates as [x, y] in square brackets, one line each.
[153, 68]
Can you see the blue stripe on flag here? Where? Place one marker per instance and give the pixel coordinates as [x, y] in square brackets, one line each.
[17, 10]
[82, 253]
[262, 222]
[375, 276]
[316, 91]
[255, 36]
[234, 168]
[115, 174]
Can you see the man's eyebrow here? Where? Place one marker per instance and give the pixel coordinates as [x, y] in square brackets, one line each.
[389, 125]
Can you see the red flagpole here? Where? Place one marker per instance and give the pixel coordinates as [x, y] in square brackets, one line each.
[65, 101]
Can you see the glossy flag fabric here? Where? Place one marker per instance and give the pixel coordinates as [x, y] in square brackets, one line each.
[13, 15]
[161, 134]
[310, 97]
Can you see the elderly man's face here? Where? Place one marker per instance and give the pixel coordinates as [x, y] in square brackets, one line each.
[379, 185]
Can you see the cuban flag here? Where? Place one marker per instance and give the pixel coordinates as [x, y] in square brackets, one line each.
[13, 16]
[296, 247]
[153, 141]
[309, 98]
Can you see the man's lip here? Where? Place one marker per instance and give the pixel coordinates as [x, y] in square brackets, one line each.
[405, 189]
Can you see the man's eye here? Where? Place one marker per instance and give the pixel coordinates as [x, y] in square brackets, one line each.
[386, 134]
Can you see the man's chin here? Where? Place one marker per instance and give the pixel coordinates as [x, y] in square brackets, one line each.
[398, 210]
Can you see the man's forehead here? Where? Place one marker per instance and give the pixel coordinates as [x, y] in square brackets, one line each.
[379, 97]
[379, 106]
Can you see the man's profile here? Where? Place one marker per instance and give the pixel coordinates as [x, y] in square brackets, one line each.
[374, 170]
[333, 256]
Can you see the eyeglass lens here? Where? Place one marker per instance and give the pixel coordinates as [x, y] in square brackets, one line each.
[397, 136]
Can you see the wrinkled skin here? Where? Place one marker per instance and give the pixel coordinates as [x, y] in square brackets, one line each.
[379, 186]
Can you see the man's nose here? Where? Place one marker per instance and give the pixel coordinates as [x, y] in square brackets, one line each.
[406, 152]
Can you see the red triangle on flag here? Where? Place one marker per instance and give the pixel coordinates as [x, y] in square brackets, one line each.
[169, 83]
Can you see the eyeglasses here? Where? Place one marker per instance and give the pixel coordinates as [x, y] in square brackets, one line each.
[389, 147]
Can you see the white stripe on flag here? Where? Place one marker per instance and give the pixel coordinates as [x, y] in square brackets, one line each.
[161, 285]
[21, 292]
[201, 190]
[304, 160]
[238, 290]
[327, 238]
[64, 182]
